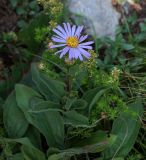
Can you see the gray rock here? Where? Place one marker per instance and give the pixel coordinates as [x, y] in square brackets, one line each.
[99, 15]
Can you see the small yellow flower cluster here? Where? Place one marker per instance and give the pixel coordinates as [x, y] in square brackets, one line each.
[115, 73]
[69, 62]
[53, 24]
[41, 66]
[114, 76]
[91, 63]
[54, 8]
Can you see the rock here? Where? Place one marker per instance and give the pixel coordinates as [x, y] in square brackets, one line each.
[99, 15]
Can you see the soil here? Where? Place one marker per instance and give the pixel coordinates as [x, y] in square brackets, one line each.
[8, 18]
[142, 13]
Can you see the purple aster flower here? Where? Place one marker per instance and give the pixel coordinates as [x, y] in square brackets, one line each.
[70, 38]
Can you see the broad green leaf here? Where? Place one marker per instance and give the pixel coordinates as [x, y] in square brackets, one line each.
[14, 119]
[97, 144]
[128, 47]
[18, 156]
[75, 104]
[126, 127]
[60, 156]
[75, 119]
[52, 89]
[23, 141]
[20, 10]
[96, 137]
[28, 150]
[34, 136]
[14, 3]
[92, 96]
[21, 23]
[24, 95]
[118, 158]
[96, 98]
[31, 153]
[49, 123]
[1, 109]
[98, 141]
[37, 106]
[78, 104]
[88, 96]
[143, 27]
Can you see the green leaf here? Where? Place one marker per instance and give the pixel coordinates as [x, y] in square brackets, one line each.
[49, 123]
[20, 10]
[98, 141]
[14, 3]
[34, 136]
[12, 114]
[27, 34]
[38, 106]
[59, 156]
[78, 104]
[92, 96]
[75, 104]
[33, 5]
[21, 23]
[18, 156]
[75, 119]
[30, 153]
[28, 150]
[24, 95]
[52, 89]
[128, 47]
[126, 127]
[143, 27]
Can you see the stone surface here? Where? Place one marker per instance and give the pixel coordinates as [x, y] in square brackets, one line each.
[99, 15]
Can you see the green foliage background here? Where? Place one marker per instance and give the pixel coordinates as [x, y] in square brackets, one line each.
[85, 110]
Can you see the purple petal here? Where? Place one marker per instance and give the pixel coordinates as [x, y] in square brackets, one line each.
[86, 47]
[85, 53]
[82, 38]
[59, 45]
[69, 28]
[62, 30]
[58, 52]
[77, 52]
[71, 53]
[79, 30]
[58, 37]
[87, 43]
[73, 30]
[64, 51]
[54, 39]
[80, 56]
[66, 29]
[59, 33]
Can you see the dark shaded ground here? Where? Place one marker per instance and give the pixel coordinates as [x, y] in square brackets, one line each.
[8, 17]
[142, 13]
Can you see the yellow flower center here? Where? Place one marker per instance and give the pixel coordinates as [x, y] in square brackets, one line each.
[72, 42]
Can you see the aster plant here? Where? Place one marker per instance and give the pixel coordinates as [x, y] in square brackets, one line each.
[71, 39]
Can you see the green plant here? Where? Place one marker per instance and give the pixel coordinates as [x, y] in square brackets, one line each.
[26, 10]
[77, 110]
